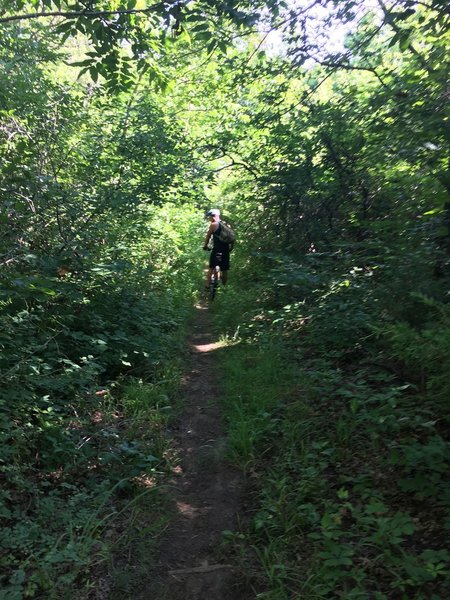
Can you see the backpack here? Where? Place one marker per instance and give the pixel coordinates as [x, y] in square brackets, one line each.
[226, 233]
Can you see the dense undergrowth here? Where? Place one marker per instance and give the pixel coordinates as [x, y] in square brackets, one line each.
[90, 369]
[336, 410]
[95, 294]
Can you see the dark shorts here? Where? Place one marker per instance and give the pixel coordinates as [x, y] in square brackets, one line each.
[220, 258]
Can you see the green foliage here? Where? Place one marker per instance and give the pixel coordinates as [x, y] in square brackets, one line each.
[424, 353]
[335, 176]
[346, 276]
[89, 262]
[340, 483]
[128, 37]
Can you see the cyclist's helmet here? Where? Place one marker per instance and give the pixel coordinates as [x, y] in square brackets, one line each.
[213, 212]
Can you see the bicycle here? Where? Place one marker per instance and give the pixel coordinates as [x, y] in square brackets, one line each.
[215, 278]
[214, 282]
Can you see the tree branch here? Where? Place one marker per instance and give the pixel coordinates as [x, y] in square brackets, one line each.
[340, 65]
[304, 97]
[79, 13]
[233, 163]
[390, 21]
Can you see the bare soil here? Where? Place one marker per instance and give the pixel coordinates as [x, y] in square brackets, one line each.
[206, 495]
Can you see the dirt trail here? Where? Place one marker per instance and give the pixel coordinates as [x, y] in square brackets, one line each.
[207, 494]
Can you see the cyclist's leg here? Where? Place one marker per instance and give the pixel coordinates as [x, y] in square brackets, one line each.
[225, 266]
[216, 264]
[208, 276]
[212, 264]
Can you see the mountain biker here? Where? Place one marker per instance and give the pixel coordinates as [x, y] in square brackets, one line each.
[220, 253]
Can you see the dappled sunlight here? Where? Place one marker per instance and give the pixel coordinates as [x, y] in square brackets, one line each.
[209, 347]
[189, 511]
[146, 481]
[199, 306]
[97, 416]
[224, 342]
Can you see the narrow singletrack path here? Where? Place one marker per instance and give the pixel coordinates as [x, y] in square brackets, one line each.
[207, 494]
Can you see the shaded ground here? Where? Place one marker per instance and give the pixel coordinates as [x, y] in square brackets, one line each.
[206, 494]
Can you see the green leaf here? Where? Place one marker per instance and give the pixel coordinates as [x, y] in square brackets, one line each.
[94, 73]
[211, 47]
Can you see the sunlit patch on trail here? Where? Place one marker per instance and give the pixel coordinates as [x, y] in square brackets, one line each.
[189, 511]
[209, 347]
[199, 306]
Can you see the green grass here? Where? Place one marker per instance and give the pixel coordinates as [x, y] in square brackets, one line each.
[349, 478]
[132, 553]
[255, 388]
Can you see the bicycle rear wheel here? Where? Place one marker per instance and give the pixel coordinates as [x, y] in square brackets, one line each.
[214, 284]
